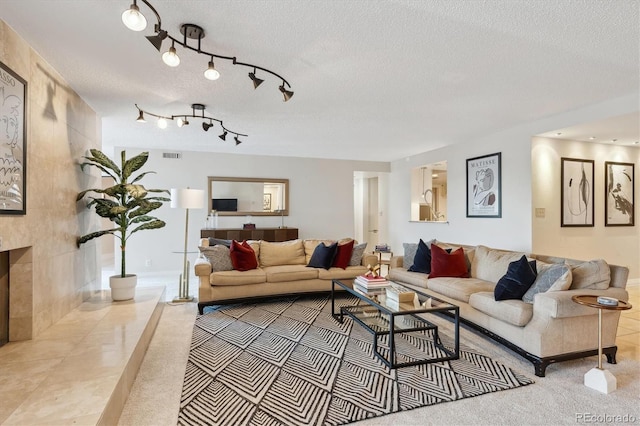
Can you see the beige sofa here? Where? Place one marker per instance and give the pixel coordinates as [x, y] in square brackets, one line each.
[281, 270]
[553, 328]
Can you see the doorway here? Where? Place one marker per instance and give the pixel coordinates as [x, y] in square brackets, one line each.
[369, 197]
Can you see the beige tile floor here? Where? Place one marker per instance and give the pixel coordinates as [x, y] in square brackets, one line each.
[67, 373]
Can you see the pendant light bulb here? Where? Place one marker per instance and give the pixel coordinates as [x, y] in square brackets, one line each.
[170, 57]
[211, 73]
[162, 123]
[182, 122]
[133, 19]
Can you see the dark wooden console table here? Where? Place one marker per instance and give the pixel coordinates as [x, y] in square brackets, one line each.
[239, 234]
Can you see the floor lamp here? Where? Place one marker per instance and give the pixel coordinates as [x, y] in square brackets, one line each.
[186, 199]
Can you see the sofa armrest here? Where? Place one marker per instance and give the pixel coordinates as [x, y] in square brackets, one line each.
[558, 304]
[396, 262]
[202, 267]
[369, 259]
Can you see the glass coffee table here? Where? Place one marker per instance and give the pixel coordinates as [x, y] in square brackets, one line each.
[381, 316]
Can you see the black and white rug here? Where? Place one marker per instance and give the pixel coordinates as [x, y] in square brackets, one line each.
[289, 362]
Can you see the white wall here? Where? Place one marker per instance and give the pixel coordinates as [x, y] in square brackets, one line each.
[618, 245]
[514, 229]
[321, 199]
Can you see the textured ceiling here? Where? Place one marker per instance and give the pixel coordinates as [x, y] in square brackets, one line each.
[373, 80]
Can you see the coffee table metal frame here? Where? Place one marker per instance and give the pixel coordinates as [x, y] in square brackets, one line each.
[393, 326]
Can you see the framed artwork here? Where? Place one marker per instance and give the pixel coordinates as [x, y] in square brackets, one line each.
[13, 151]
[619, 206]
[266, 202]
[484, 186]
[576, 194]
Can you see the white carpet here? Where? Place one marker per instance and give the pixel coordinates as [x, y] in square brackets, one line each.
[559, 398]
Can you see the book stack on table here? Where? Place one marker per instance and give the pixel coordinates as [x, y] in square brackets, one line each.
[370, 284]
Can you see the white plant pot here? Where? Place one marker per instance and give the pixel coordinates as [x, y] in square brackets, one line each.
[123, 288]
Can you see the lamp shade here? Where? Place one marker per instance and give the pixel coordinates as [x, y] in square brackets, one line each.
[187, 198]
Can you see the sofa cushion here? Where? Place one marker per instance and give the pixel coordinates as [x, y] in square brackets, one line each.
[252, 276]
[323, 256]
[444, 264]
[551, 277]
[594, 274]
[519, 277]
[341, 274]
[243, 257]
[512, 311]
[458, 288]
[356, 254]
[218, 256]
[402, 275]
[284, 273]
[491, 264]
[282, 253]
[343, 254]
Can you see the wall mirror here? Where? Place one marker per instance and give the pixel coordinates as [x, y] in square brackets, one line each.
[429, 192]
[233, 196]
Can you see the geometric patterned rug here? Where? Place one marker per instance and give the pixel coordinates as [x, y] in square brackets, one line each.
[288, 362]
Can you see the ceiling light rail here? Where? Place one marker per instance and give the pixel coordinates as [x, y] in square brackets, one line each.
[183, 120]
[136, 21]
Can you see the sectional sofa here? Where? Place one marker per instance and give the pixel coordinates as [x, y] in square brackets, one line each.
[281, 270]
[548, 329]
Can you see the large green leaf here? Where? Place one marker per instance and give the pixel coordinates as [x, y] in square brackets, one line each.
[140, 219]
[103, 160]
[83, 193]
[104, 206]
[133, 164]
[141, 176]
[150, 225]
[136, 191]
[104, 169]
[144, 208]
[93, 235]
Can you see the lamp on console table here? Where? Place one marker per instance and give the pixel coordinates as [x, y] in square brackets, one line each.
[186, 199]
[281, 211]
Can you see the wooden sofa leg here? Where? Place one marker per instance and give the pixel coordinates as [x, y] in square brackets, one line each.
[611, 354]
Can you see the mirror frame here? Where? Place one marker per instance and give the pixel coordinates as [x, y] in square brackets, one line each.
[212, 179]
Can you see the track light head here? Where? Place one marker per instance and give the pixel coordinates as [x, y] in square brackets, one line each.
[223, 136]
[211, 73]
[183, 122]
[162, 123]
[206, 126]
[157, 39]
[133, 19]
[238, 141]
[140, 118]
[170, 57]
[288, 94]
[256, 81]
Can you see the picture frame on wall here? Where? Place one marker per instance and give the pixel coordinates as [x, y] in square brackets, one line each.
[266, 202]
[619, 190]
[13, 140]
[576, 193]
[484, 186]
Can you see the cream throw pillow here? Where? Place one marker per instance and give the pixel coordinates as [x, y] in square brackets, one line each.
[594, 274]
[490, 264]
[284, 253]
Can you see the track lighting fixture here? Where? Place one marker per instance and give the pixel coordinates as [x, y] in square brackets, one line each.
[170, 57]
[211, 73]
[183, 120]
[256, 81]
[135, 20]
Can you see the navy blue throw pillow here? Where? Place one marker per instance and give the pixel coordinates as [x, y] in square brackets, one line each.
[323, 256]
[519, 277]
[422, 261]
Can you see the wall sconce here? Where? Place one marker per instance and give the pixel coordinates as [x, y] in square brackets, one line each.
[136, 21]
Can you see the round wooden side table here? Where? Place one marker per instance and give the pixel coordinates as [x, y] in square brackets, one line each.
[598, 378]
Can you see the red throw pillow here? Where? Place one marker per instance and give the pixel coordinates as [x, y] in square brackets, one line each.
[444, 264]
[343, 255]
[243, 257]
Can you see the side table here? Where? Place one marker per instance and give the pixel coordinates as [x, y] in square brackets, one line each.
[598, 378]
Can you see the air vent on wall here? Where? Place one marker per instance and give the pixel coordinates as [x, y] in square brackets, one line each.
[175, 155]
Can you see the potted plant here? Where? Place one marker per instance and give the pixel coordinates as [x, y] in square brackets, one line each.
[127, 206]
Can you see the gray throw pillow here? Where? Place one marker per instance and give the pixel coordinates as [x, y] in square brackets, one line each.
[555, 277]
[219, 257]
[356, 254]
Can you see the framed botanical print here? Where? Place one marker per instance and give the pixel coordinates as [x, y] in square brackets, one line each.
[13, 151]
[619, 206]
[576, 192]
[484, 186]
